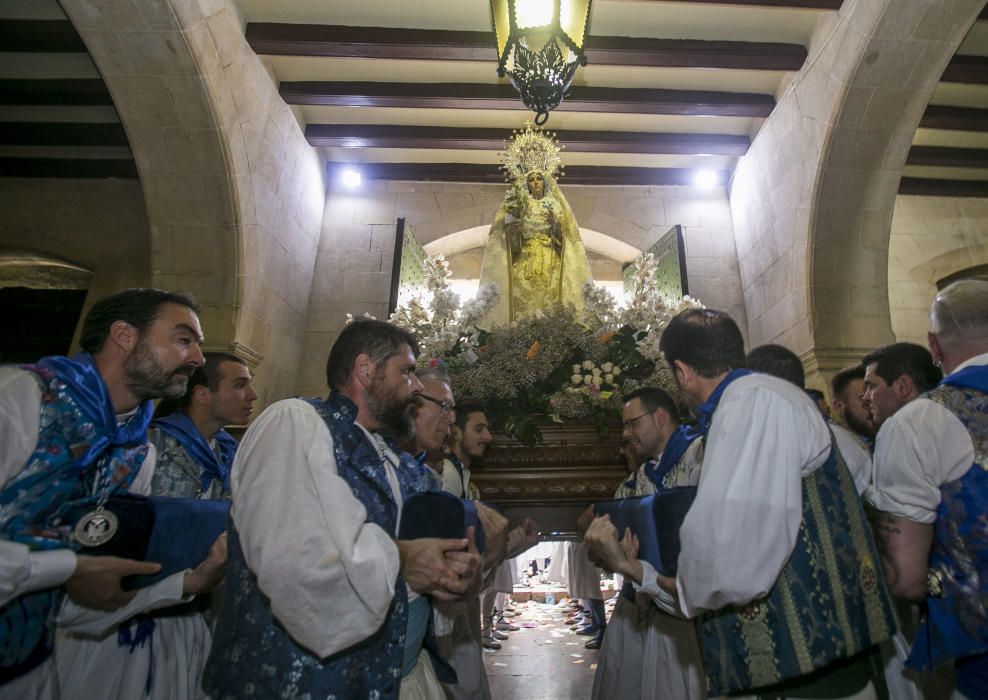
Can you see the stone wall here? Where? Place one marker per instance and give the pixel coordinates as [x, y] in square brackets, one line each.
[234, 193]
[353, 266]
[932, 237]
[99, 225]
[812, 199]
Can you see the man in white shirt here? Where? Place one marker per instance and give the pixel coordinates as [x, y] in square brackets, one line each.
[783, 363]
[895, 375]
[647, 652]
[320, 597]
[775, 511]
[81, 416]
[931, 493]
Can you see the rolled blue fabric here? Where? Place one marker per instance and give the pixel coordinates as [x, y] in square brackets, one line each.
[655, 520]
[439, 514]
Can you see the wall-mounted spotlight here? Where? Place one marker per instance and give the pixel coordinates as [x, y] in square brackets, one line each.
[350, 178]
[705, 180]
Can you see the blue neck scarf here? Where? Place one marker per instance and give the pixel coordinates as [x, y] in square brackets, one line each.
[180, 426]
[84, 383]
[684, 436]
[971, 377]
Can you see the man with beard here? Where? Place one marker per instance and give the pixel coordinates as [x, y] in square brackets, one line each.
[849, 408]
[72, 428]
[775, 515]
[169, 644]
[321, 600]
[647, 653]
[468, 442]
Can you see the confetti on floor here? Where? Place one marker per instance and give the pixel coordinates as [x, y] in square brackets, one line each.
[578, 661]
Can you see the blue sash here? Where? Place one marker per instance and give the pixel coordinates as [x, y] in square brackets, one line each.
[180, 426]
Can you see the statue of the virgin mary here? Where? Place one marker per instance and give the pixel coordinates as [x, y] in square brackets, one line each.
[534, 252]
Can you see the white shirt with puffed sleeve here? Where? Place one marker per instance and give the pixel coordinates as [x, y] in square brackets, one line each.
[920, 447]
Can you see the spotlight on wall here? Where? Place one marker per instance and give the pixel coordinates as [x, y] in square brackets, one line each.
[351, 178]
[705, 180]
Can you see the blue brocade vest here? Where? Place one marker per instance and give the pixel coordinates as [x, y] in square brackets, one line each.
[252, 654]
[956, 624]
[830, 602]
[50, 479]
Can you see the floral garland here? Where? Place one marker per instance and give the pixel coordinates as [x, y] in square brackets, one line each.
[551, 366]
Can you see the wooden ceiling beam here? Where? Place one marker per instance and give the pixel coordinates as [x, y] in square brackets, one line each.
[69, 91]
[87, 168]
[503, 96]
[481, 173]
[944, 157]
[954, 118]
[929, 187]
[777, 4]
[267, 38]
[62, 134]
[40, 36]
[972, 70]
[431, 137]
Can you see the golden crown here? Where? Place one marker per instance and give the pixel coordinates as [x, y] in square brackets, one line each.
[531, 149]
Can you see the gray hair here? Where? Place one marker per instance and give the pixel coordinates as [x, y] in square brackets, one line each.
[426, 373]
[960, 311]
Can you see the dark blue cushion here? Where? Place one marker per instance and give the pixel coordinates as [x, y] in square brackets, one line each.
[174, 532]
[655, 520]
[439, 514]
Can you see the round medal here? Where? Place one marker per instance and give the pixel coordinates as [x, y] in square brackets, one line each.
[96, 528]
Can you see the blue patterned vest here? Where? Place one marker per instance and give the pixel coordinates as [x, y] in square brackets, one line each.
[956, 624]
[252, 654]
[830, 601]
[51, 478]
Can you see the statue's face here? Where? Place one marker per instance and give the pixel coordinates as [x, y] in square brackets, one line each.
[536, 185]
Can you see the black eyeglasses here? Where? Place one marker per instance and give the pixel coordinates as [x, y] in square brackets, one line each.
[631, 421]
[445, 406]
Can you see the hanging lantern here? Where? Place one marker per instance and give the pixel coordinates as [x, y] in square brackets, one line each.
[540, 46]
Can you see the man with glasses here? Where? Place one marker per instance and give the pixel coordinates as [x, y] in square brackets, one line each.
[647, 653]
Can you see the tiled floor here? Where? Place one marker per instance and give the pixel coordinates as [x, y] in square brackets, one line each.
[543, 660]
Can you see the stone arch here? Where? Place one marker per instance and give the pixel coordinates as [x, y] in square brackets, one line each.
[152, 59]
[899, 51]
[234, 193]
[812, 200]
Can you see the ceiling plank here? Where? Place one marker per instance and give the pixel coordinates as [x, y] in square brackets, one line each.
[40, 36]
[503, 96]
[268, 38]
[954, 118]
[779, 4]
[430, 137]
[972, 70]
[929, 187]
[480, 173]
[66, 91]
[87, 168]
[62, 134]
[943, 156]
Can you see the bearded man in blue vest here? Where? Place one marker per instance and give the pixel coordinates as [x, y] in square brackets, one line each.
[321, 599]
[931, 490]
[73, 428]
[777, 563]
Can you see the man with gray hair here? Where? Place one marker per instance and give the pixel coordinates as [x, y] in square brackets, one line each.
[931, 490]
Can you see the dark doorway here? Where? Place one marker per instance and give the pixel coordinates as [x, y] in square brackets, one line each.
[38, 322]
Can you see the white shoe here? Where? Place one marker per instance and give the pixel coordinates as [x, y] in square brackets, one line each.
[499, 635]
[490, 642]
[506, 626]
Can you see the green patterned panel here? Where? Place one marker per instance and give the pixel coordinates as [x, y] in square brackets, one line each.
[670, 275]
[411, 279]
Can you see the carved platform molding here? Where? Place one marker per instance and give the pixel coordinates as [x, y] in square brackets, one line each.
[552, 482]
